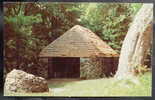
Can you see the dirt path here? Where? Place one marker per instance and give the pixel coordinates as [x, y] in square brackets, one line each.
[62, 80]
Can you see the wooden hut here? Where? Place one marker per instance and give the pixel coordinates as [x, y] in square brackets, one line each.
[68, 53]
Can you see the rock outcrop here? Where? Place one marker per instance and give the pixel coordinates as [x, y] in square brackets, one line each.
[20, 81]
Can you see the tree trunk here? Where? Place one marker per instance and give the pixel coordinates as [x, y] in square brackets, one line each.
[136, 43]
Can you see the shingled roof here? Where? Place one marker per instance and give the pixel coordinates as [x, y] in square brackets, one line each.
[78, 42]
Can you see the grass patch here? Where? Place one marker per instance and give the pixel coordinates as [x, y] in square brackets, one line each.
[100, 87]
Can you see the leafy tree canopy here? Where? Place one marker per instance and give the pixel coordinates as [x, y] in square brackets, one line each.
[29, 27]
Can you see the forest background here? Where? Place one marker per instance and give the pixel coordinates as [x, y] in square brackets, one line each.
[29, 27]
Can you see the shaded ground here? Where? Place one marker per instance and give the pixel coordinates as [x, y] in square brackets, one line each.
[141, 86]
[103, 87]
[58, 83]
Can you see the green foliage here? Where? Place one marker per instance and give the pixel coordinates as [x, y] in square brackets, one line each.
[109, 21]
[29, 27]
[140, 69]
[135, 7]
[20, 39]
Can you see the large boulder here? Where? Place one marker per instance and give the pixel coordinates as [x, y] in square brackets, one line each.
[20, 81]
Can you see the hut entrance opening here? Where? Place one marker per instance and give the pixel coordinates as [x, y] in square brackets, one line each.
[64, 67]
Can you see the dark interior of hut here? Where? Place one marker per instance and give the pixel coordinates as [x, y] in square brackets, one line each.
[69, 67]
[64, 67]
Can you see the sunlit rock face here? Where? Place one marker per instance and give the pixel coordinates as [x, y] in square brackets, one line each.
[90, 68]
[98, 67]
[20, 81]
